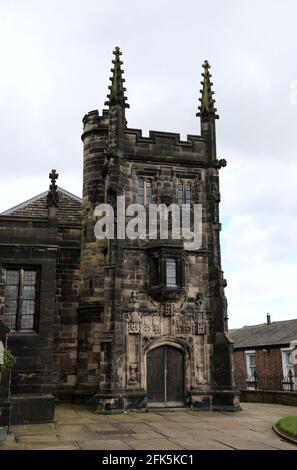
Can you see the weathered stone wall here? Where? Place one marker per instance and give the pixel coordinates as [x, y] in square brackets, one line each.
[134, 320]
[67, 294]
[32, 244]
[92, 260]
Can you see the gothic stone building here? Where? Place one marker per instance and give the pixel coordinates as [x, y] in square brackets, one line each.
[125, 324]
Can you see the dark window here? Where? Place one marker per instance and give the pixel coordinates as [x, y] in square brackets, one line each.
[140, 194]
[170, 272]
[20, 299]
[166, 271]
[180, 194]
[155, 271]
[145, 191]
[188, 193]
[149, 192]
[184, 193]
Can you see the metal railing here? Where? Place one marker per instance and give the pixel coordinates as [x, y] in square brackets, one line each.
[267, 382]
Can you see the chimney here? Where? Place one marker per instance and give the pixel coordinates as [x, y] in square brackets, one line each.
[268, 319]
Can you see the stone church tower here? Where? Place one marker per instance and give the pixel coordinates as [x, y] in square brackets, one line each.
[152, 319]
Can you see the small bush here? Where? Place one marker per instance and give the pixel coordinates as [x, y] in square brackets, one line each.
[9, 361]
[288, 425]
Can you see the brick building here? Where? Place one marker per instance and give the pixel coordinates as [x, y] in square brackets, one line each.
[265, 355]
[95, 319]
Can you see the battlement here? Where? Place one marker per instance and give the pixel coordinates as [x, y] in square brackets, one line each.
[160, 144]
[157, 144]
[93, 121]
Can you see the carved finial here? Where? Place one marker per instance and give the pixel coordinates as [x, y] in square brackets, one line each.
[116, 97]
[206, 107]
[52, 195]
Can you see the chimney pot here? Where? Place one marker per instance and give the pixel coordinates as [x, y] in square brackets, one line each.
[268, 319]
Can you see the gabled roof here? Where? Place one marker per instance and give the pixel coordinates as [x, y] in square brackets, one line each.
[277, 333]
[70, 207]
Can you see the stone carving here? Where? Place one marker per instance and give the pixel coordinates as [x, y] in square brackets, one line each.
[168, 310]
[200, 309]
[150, 325]
[200, 379]
[133, 322]
[200, 328]
[52, 199]
[147, 325]
[183, 325]
[199, 302]
[133, 327]
[110, 152]
[132, 314]
[156, 325]
[134, 297]
[133, 369]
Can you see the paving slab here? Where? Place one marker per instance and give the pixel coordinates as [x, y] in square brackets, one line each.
[77, 427]
[114, 444]
[154, 444]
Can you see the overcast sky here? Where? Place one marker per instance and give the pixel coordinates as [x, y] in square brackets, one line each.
[55, 65]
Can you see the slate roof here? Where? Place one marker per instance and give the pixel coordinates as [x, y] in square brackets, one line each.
[277, 333]
[70, 207]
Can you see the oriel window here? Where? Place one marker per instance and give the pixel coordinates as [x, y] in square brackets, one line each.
[170, 272]
[20, 299]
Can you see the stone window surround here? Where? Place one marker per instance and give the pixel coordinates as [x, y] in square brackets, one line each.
[146, 189]
[37, 269]
[162, 256]
[187, 184]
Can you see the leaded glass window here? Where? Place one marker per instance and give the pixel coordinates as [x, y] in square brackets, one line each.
[171, 272]
[184, 193]
[140, 194]
[180, 194]
[188, 193]
[145, 191]
[149, 191]
[20, 299]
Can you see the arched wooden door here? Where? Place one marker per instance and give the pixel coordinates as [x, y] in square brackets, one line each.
[165, 376]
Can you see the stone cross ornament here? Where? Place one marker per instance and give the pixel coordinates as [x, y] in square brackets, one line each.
[53, 196]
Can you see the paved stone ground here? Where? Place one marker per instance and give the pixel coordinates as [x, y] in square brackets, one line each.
[77, 427]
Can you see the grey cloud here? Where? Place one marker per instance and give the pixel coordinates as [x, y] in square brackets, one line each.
[56, 60]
